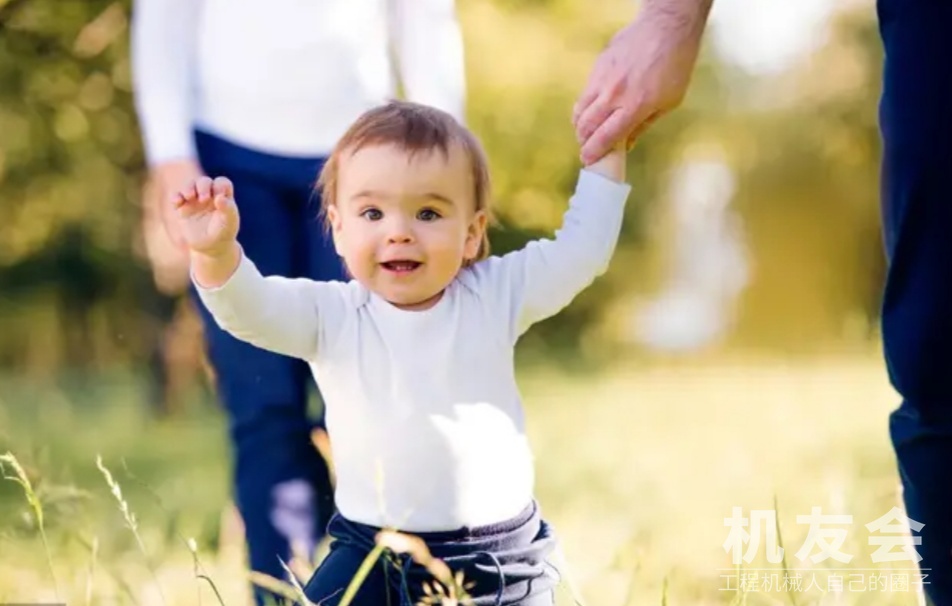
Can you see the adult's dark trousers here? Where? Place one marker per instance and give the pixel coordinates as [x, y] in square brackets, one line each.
[916, 124]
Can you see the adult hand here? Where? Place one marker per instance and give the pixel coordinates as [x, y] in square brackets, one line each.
[643, 74]
[161, 233]
[169, 178]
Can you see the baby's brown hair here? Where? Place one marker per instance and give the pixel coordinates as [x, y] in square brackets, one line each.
[414, 128]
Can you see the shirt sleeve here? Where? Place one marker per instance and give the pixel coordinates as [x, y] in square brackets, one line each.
[288, 316]
[162, 46]
[428, 43]
[539, 280]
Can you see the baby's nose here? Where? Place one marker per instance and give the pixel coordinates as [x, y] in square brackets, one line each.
[399, 232]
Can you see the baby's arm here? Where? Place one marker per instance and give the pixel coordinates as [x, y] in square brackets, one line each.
[213, 271]
[611, 166]
[539, 280]
[274, 313]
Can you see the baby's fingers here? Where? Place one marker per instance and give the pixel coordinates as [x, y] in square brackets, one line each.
[222, 186]
[228, 209]
[203, 187]
[186, 203]
[181, 200]
[184, 196]
[225, 204]
[224, 223]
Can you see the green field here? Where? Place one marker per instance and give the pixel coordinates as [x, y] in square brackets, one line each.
[637, 470]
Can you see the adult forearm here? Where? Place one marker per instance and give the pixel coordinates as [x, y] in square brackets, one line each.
[689, 15]
[643, 74]
[161, 47]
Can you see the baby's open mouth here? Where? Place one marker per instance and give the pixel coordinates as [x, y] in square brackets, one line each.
[401, 266]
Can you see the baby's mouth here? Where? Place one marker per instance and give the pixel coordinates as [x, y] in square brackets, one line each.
[401, 266]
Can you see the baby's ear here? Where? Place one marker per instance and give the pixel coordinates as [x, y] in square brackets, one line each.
[333, 217]
[334, 222]
[475, 233]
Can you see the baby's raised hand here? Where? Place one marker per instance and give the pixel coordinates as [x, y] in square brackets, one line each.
[208, 216]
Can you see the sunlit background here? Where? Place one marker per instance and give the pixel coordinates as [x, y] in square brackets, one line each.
[730, 357]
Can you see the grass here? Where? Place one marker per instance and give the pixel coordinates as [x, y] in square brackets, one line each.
[637, 470]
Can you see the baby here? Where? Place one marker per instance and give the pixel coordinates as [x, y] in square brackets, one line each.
[414, 354]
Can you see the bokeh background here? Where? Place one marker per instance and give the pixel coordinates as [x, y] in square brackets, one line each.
[730, 357]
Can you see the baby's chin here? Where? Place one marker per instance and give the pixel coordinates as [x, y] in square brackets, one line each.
[417, 302]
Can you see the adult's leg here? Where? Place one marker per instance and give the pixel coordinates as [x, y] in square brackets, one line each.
[916, 122]
[276, 476]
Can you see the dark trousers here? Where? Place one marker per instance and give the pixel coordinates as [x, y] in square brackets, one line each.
[916, 123]
[281, 483]
[508, 564]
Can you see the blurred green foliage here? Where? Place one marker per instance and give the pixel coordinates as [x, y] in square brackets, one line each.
[76, 290]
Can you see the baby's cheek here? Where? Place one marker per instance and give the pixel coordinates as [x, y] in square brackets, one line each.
[451, 246]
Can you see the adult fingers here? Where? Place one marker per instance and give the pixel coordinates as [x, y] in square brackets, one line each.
[593, 116]
[585, 99]
[612, 131]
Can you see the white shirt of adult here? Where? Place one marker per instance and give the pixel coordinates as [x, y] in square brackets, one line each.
[286, 76]
[422, 408]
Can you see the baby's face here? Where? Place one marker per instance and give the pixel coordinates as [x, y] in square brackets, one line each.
[405, 224]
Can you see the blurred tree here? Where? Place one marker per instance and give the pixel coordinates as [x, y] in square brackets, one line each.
[808, 160]
[70, 169]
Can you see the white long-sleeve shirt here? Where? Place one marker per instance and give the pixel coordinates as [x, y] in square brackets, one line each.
[422, 408]
[286, 76]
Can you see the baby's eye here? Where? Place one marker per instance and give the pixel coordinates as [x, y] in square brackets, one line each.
[372, 214]
[428, 214]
